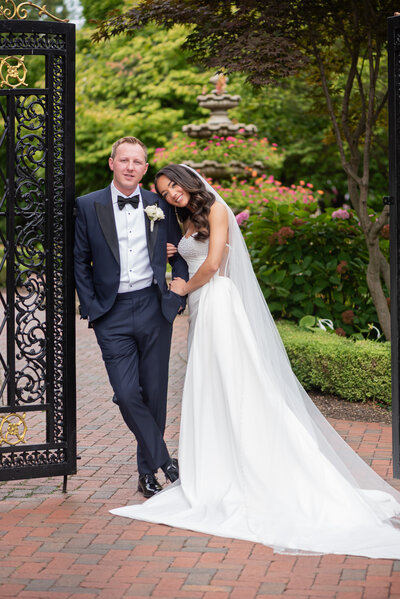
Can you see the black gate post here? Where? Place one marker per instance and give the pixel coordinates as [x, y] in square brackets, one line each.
[37, 194]
[394, 201]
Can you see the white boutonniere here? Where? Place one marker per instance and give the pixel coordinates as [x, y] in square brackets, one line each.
[154, 213]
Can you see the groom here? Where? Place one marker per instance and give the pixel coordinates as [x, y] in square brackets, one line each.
[121, 236]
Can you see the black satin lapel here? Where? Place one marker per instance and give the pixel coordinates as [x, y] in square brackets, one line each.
[105, 214]
[151, 235]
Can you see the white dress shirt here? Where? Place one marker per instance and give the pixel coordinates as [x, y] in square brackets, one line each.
[136, 271]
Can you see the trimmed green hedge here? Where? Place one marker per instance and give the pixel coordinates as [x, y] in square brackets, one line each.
[353, 370]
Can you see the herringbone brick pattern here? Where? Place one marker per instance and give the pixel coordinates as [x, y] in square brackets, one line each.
[68, 546]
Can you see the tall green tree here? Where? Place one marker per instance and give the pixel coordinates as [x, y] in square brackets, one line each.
[93, 10]
[141, 86]
[341, 44]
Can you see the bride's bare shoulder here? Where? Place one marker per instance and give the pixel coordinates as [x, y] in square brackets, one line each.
[218, 211]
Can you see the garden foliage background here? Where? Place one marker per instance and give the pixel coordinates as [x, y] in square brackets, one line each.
[308, 262]
[146, 86]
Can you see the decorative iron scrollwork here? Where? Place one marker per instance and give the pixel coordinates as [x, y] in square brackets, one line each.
[33, 458]
[59, 248]
[15, 42]
[13, 429]
[15, 71]
[21, 13]
[30, 257]
[36, 200]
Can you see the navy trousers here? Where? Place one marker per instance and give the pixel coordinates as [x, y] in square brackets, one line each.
[135, 341]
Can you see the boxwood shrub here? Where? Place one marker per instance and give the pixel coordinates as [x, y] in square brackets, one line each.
[353, 370]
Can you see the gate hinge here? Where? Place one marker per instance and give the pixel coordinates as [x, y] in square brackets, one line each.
[388, 200]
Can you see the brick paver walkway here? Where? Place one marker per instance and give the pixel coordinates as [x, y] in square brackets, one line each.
[68, 546]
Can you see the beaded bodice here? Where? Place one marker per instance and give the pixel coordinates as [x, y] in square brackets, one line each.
[194, 252]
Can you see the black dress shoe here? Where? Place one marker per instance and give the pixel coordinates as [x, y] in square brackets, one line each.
[172, 471]
[148, 485]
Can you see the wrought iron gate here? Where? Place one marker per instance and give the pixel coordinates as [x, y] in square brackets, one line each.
[37, 309]
[394, 201]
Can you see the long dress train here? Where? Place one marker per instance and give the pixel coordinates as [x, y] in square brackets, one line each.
[256, 464]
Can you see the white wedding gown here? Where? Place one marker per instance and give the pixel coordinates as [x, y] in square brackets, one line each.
[257, 461]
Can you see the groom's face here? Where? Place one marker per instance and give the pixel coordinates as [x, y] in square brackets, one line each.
[129, 166]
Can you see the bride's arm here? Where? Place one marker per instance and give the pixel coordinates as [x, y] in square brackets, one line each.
[218, 220]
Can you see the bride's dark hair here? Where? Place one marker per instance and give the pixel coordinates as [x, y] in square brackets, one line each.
[200, 201]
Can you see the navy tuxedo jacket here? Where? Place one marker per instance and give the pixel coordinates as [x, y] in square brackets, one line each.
[96, 253]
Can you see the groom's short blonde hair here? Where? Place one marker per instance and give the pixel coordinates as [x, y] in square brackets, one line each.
[128, 140]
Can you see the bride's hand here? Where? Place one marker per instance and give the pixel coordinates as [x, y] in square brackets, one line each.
[178, 286]
[171, 250]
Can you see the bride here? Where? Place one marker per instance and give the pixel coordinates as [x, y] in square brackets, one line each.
[257, 459]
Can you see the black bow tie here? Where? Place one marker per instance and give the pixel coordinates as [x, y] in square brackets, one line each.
[133, 201]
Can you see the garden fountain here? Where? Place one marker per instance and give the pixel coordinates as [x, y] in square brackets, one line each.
[218, 101]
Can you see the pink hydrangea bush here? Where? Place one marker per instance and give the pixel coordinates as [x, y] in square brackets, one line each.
[262, 189]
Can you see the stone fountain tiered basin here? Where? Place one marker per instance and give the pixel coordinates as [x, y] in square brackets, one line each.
[219, 121]
[220, 124]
